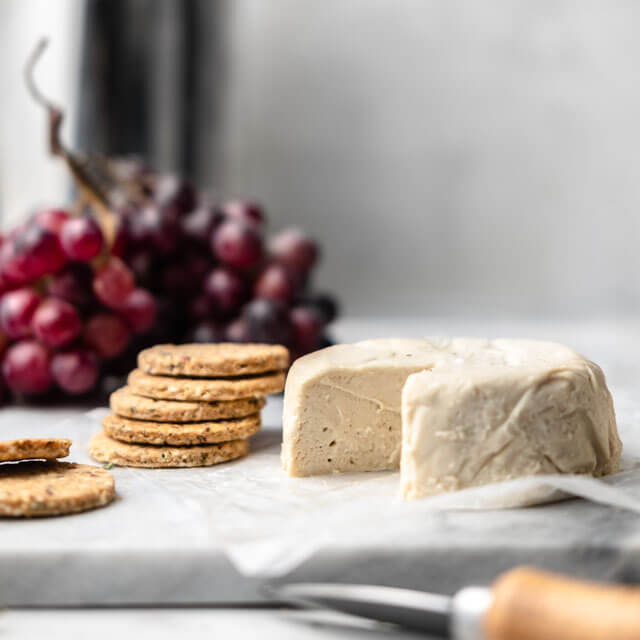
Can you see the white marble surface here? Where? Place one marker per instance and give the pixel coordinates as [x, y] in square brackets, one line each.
[169, 624]
[161, 542]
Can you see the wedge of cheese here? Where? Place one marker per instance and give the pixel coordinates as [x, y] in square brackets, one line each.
[508, 410]
[472, 411]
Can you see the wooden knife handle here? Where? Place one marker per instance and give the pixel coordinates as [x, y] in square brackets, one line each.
[529, 604]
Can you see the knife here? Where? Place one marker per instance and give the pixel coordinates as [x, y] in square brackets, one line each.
[522, 604]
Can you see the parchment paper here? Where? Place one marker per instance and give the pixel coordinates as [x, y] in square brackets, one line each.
[269, 523]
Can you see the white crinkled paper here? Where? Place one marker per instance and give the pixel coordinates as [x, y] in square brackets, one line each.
[269, 523]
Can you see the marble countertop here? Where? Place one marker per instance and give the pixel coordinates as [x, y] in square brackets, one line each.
[134, 553]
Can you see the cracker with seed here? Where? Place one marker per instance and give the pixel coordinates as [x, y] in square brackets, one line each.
[213, 360]
[204, 390]
[179, 434]
[130, 405]
[51, 488]
[34, 449]
[106, 449]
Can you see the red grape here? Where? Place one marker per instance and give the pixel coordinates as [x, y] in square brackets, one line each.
[141, 264]
[148, 229]
[75, 371]
[36, 252]
[16, 312]
[73, 284]
[56, 322]
[107, 334]
[324, 304]
[276, 283]
[113, 283]
[81, 238]
[294, 249]
[307, 325]
[225, 289]
[120, 239]
[199, 224]
[52, 219]
[197, 266]
[244, 211]
[201, 307]
[237, 331]
[174, 197]
[237, 245]
[139, 310]
[26, 367]
[267, 321]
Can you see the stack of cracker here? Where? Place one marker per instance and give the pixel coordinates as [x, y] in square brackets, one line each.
[190, 405]
[37, 484]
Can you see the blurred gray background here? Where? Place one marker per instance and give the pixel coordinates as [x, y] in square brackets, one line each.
[451, 156]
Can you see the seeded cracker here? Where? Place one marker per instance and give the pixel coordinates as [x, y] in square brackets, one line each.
[106, 449]
[130, 405]
[202, 390]
[51, 488]
[34, 448]
[181, 434]
[213, 360]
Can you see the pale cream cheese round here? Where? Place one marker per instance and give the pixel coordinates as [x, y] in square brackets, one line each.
[472, 411]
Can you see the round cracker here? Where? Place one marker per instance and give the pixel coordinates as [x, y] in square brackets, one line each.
[34, 448]
[52, 488]
[130, 405]
[213, 360]
[203, 390]
[179, 434]
[106, 449]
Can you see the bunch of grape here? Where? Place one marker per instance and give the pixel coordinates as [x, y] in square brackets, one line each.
[67, 305]
[215, 275]
[78, 302]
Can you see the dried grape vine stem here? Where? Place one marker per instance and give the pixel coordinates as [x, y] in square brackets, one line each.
[92, 178]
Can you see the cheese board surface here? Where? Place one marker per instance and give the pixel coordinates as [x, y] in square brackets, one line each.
[215, 535]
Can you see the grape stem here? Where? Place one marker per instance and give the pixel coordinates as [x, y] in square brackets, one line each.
[89, 185]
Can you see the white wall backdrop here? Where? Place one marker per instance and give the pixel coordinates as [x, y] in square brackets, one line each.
[482, 157]
[28, 175]
[478, 156]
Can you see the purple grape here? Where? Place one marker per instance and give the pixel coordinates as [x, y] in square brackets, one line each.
[207, 332]
[267, 321]
[324, 304]
[141, 264]
[307, 325]
[174, 197]
[275, 283]
[294, 249]
[237, 245]
[201, 307]
[148, 229]
[245, 211]
[199, 224]
[226, 290]
[237, 331]
[73, 284]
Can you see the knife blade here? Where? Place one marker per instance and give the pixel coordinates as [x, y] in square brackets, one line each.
[522, 604]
